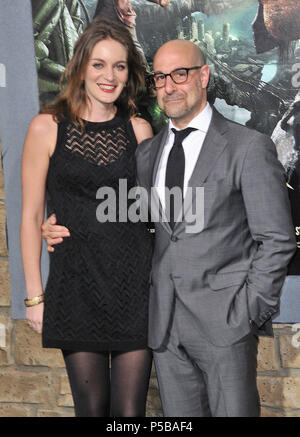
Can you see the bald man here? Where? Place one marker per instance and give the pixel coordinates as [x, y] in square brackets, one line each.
[213, 286]
[220, 259]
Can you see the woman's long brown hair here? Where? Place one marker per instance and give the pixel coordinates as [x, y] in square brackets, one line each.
[73, 98]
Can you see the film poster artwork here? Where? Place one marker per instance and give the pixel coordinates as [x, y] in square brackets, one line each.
[251, 46]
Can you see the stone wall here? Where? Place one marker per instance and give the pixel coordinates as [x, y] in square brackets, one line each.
[33, 381]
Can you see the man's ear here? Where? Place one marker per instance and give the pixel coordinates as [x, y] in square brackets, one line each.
[205, 74]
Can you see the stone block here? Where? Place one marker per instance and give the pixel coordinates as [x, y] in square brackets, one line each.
[56, 413]
[4, 357]
[279, 391]
[281, 326]
[2, 195]
[153, 399]
[153, 382]
[271, 412]
[65, 394]
[4, 283]
[2, 192]
[289, 351]
[14, 410]
[266, 358]
[5, 346]
[64, 385]
[28, 348]
[3, 245]
[65, 401]
[25, 387]
[154, 413]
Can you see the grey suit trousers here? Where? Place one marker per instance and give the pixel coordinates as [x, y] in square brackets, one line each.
[199, 379]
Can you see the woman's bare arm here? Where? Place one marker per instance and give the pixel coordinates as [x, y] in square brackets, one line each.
[39, 145]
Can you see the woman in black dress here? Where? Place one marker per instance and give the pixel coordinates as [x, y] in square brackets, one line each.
[95, 305]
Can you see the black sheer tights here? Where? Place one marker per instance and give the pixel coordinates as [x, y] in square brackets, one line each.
[101, 391]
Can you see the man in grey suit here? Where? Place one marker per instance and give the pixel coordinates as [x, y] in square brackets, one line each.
[213, 287]
[212, 290]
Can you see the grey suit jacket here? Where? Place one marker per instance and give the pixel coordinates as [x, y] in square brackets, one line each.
[231, 271]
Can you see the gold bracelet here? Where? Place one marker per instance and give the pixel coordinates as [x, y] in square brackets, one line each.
[34, 301]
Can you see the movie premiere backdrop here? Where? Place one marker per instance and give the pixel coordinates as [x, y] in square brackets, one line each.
[251, 46]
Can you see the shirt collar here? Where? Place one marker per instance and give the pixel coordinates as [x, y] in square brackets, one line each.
[200, 122]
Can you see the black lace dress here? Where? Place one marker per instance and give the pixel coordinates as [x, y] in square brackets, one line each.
[96, 296]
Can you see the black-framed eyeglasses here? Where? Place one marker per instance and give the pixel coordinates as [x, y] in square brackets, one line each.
[178, 76]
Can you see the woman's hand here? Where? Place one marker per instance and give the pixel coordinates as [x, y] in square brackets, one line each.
[53, 233]
[34, 317]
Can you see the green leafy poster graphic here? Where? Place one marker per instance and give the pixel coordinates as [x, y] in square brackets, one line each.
[56, 25]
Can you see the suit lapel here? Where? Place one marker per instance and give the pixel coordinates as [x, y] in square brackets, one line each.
[156, 152]
[213, 145]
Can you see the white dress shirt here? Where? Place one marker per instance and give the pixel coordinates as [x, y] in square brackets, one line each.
[192, 145]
